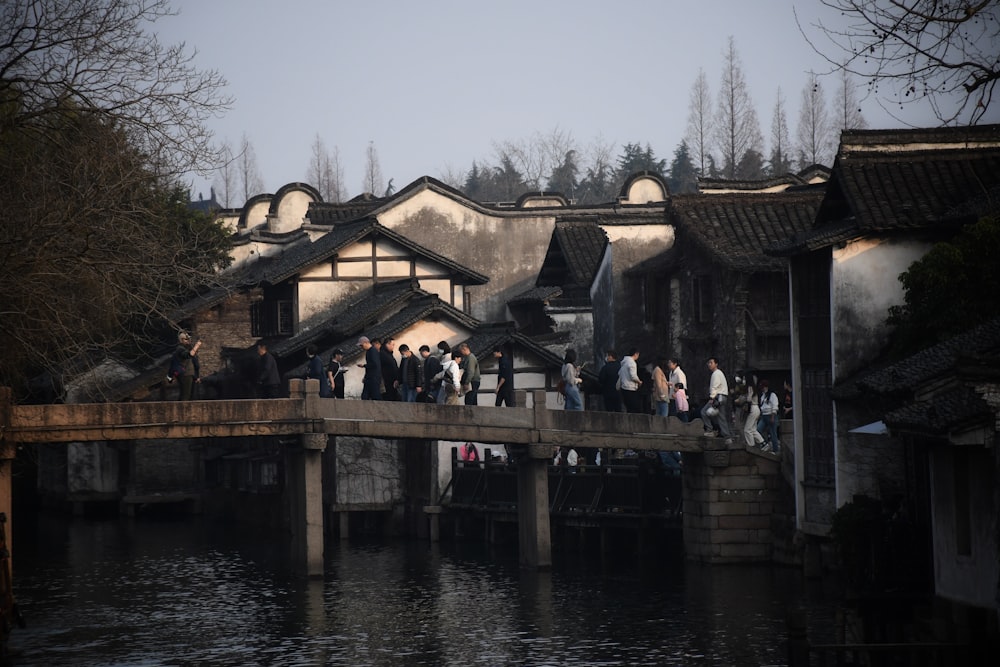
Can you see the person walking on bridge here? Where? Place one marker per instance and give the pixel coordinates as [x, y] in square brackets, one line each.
[432, 366]
[571, 381]
[628, 378]
[607, 378]
[505, 379]
[268, 379]
[715, 413]
[372, 383]
[470, 375]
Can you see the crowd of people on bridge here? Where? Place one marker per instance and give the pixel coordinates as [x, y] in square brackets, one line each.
[452, 377]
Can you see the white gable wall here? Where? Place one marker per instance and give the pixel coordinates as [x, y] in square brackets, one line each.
[510, 250]
[864, 283]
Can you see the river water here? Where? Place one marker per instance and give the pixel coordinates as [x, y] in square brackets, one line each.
[190, 592]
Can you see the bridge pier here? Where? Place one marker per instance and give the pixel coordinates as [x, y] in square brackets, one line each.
[304, 469]
[534, 532]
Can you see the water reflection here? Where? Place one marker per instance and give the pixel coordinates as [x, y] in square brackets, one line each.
[116, 592]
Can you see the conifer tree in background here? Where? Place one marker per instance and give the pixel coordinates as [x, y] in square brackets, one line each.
[247, 171]
[325, 172]
[373, 181]
[634, 158]
[683, 174]
[699, 124]
[565, 177]
[780, 162]
[736, 128]
[848, 107]
[815, 144]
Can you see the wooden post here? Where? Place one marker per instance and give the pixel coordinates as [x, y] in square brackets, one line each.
[533, 527]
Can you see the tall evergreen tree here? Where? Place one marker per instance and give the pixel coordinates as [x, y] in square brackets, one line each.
[848, 108]
[564, 178]
[737, 129]
[699, 124]
[780, 162]
[814, 124]
[634, 158]
[683, 173]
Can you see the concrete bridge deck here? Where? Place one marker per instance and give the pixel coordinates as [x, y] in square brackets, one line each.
[307, 413]
[533, 431]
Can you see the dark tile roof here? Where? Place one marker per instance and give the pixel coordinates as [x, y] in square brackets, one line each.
[707, 185]
[583, 246]
[736, 227]
[417, 306]
[536, 295]
[330, 213]
[902, 377]
[900, 180]
[352, 317]
[941, 415]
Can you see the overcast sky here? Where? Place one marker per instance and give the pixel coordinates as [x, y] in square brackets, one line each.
[434, 84]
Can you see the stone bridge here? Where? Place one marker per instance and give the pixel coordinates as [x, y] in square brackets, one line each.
[532, 432]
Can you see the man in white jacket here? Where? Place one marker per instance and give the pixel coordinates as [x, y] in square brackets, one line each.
[718, 397]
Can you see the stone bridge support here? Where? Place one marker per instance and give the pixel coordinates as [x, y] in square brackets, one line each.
[304, 470]
[732, 499]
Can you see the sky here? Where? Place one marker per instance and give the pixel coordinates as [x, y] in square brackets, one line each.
[436, 84]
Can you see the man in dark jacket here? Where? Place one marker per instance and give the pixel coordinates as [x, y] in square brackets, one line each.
[390, 370]
[268, 380]
[432, 366]
[372, 382]
[505, 379]
[607, 378]
[411, 374]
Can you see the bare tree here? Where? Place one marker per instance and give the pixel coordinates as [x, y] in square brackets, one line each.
[99, 121]
[326, 172]
[941, 53]
[848, 106]
[225, 175]
[103, 57]
[813, 131]
[248, 172]
[780, 162]
[737, 130]
[451, 176]
[373, 181]
[699, 124]
[535, 157]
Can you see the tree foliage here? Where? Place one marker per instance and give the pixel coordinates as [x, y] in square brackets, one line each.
[97, 244]
[924, 51]
[102, 57]
[950, 289]
[683, 174]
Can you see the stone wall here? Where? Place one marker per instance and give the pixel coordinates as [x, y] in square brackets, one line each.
[734, 501]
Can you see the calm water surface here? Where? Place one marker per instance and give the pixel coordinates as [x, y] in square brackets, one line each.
[189, 592]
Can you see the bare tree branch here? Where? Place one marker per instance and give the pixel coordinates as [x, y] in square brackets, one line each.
[924, 51]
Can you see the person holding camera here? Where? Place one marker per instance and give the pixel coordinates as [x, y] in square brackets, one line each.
[184, 366]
